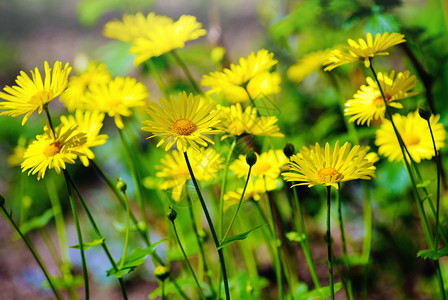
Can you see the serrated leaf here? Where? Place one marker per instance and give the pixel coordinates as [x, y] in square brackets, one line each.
[321, 293]
[432, 254]
[133, 260]
[88, 245]
[294, 236]
[235, 238]
[37, 222]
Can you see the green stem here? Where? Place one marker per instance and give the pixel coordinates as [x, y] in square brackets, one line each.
[47, 112]
[212, 228]
[238, 207]
[305, 244]
[128, 226]
[223, 187]
[97, 231]
[330, 254]
[272, 246]
[79, 234]
[187, 72]
[190, 268]
[136, 179]
[33, 252]
[158, 79]
[201, 248]
[348, 286]
[422, 213]
[437, 158]
[163, 290]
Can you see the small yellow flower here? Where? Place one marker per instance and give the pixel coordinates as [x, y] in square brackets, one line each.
[236, 122]
[90, 124]
[51, 150]
[268, 165]
[117, 97]
[173, 168]
[31, 94]
[251, 78]
[368, 104]
[363, 50]
[74, 97]
[308, 64]
[181, 120]
[254, 190]
[154, 35]
[415, 134]
[315, 166]
[16, 157]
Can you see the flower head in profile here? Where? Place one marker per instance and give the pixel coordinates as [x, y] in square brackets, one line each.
[306, 65]
[236, 122]
[31, 94]
[251, 78]
[363, 50]
[90, 124]
[184, 120]
[117, 97]
[315, 166]
[368, 104]
[415, 134]
[53, 150]
[154, 35]
[74, 97]
[205, 164]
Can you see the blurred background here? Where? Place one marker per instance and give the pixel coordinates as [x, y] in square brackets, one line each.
[32, 31]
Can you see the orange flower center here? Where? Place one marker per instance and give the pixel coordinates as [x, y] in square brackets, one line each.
[328, 174]
[41, 97]
[53, 149]
[410, 139]
[378, 101]
[183, 127]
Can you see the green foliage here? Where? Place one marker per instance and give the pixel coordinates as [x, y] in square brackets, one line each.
[433, 254]
[37, 222]
[232, 239]
[88, 245]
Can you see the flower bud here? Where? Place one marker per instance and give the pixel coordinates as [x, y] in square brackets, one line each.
[424, 112]
[288, 150]
[121, 185]
[251, 158]
[161, 273]
[172, 214]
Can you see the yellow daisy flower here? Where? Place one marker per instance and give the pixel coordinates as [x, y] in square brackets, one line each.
[51, 150]
[415, 134]
[314, 165]
[154, 35]
[31, 94]
[74, 97]
[236, 122]
[117, 97]
[255, 188]
[89, 123]
[250, 76]
[173, 168]
[267, 166]
[181, 120]
[367, 104]
[363, 50]
[308, 64]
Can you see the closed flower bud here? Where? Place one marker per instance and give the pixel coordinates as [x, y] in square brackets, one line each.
[251, 158]
[161, 273]
[288, 150]
[121, 185]
[424, 112]
[172, 214]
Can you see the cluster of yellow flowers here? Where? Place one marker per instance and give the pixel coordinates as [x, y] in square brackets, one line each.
[188, 121]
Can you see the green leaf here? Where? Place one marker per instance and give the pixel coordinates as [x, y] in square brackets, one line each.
[295, 236]
[425, 183]
[380, 23]
[88, 245]
[432, 254]
[37, 222]
[235, 238]
[133, 260]
[323, 292]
